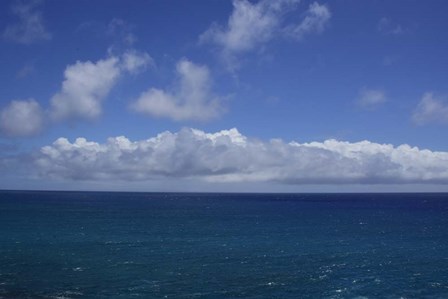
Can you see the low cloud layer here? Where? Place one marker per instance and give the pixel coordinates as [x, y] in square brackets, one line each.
[190, 98]
[228, 156]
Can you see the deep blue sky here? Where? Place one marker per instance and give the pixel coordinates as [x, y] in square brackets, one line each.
[303, 71]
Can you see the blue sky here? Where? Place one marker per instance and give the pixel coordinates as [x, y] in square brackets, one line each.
[355, 87]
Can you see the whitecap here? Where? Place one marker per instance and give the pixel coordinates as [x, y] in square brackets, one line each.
[73, 293]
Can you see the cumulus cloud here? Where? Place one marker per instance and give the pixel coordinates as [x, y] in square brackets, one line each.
[85, 87]
[21, 118]
[30, 26]
[252, 25]
[88, 83]
[228, 156]
[190, 99]
[431, 109]
[371, 98]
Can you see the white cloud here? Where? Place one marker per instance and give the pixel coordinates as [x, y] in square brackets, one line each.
[371, 98]
[431, 109]
[134, 61]
[190, 99]
[251, 25]
[30, 27]
[85, 87]
[228, 156]
[386, 26]
[315, 21]
[87, 84]
[21, 118]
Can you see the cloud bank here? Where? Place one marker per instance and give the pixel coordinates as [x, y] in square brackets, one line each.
[228, 156]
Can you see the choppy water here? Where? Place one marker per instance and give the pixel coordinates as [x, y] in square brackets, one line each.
[127, 245]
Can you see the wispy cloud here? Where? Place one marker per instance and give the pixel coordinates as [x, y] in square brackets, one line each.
[252, 25]
[25, 71]
[123, 31]
[386, 26]
[315, 21]
[228, 156]
[371, 98]
[431, 109]
[21, 118]
[190, 99]
[29, 27]
[135, 61]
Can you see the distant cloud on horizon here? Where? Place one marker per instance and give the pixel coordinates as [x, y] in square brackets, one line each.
[229, 156]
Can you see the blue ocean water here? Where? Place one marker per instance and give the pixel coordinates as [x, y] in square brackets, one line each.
[156, 245]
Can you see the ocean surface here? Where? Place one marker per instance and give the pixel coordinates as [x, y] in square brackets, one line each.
[167, 245]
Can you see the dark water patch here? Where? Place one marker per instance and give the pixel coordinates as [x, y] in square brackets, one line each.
[157, 245]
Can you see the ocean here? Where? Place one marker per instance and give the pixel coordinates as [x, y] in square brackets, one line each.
[185, 245]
